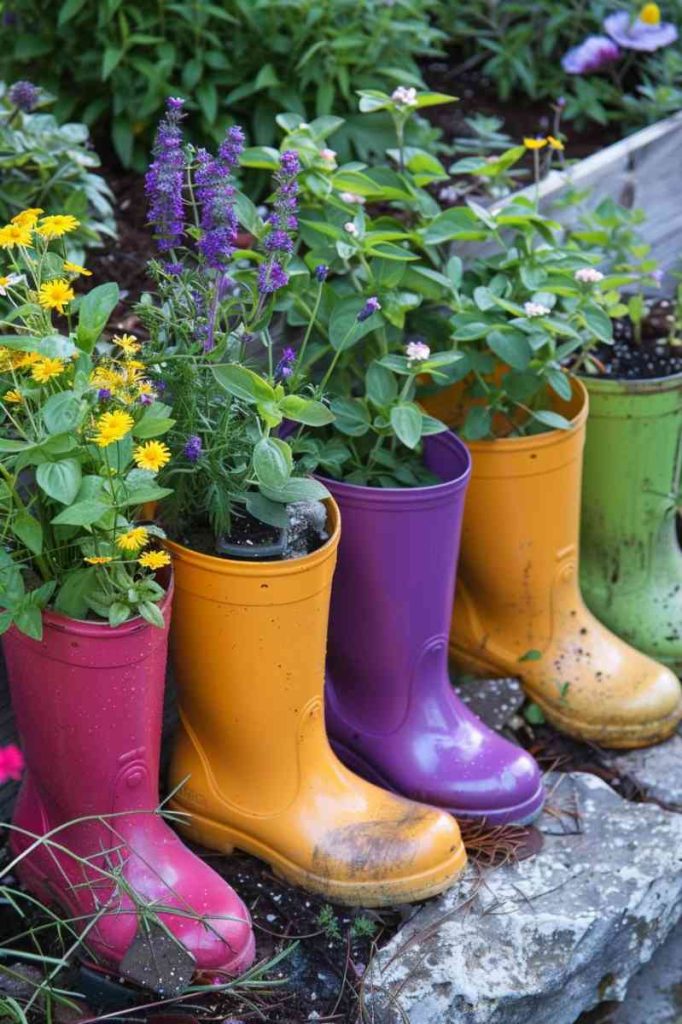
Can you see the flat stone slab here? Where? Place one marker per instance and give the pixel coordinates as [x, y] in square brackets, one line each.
[549, 937]
[495, 701]
[656, 772]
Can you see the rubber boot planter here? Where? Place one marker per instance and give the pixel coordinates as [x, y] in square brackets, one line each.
[88, 700]
[392, 713]
[249, 648]
[518, 608]
[631, 569]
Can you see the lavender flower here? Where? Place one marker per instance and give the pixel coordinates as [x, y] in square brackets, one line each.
[371, 306]
[284, 368]
[215, 194]
[271, 274]
[164, 179]
[103, 395]
[193, 448]
[146, 399]
[24, 95]
[593, 54]
[321, 272]
[174, 269]
[646, 32]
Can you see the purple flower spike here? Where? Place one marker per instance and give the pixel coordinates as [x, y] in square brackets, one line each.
[193, 448]
[637, 34]
[24, 95]
[215, 193]
[285, 367]
[103, 395]
[271, 277]
[321, 272]
[371, 306]
[593, 54]
[165, 178]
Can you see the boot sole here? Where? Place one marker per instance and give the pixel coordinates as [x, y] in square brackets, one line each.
[514, 814]
[617, 737]
[411, 889]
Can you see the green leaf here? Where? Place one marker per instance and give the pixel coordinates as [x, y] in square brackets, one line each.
[270, 512]
[118, 613]
[351, 416]
[380, 385]
[297, 489]
[532, 655]
[478, 423]
[345, 330]
[272, 462]
[511, 347]
[152, 613]
[63, 412]
[599, 323]
[60, 480]
[305, 410]
[29, 621]
[82, 513]
[243, 383]
[29, 531]
[406, 420]
[154, 422]
[72, 596]
[559, 382]
[533, 714]
[93, 313]
[551, 419]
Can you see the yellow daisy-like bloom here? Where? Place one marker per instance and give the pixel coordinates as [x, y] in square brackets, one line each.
[128, 342]
[75, 268]
[27, 359]
[133, 540]
[554, 143]
[98, 559]
[106, 377]
[112, 427]
[13, 396]
[154, 559]
[56, 294]
[152, 455]
[27, 218]
[535, 143]
[145, 388]
[46, 370]
[15, 234]
[650, 14]
[133, 370]
[57, 225]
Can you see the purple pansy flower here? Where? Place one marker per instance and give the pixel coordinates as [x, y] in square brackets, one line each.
[593, 54]
[646, 33]
[165, 177]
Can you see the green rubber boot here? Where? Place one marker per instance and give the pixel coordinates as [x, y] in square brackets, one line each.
[631, 566]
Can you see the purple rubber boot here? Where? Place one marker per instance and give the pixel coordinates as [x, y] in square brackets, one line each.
[392, 714]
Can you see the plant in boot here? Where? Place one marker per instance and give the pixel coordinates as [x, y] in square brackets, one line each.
[52, 165]
[229, 383]
[79, 450]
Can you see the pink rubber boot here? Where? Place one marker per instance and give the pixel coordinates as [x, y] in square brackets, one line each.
[88, 701]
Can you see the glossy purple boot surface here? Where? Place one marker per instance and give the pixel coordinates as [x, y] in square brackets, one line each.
[391, 711]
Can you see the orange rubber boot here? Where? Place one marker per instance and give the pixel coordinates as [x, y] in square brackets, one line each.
[518, 593]
[249, 647]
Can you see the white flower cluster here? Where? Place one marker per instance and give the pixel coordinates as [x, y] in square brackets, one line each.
[404, 96]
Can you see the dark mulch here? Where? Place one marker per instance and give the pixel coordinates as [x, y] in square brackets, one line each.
[657, 353]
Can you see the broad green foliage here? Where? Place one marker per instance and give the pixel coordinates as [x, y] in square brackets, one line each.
[117, 62]
[78, 448]
[50, 165]
[518, 45]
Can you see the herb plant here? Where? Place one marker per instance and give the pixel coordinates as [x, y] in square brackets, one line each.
[78, 446]
[50, 165]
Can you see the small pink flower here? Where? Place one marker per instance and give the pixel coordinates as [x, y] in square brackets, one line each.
[350, 227]
[536, 309]
[588, 275]
[352, 197]
[417, 351]
[328, 155]
[11, 763]
[404, 97]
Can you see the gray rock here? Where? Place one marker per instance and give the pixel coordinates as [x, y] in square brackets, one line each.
[548, 938]
[654, 995]
[495, 701]
[307, 527]
[656, 771]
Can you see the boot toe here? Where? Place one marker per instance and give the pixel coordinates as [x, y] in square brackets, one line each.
[659, 699]
[224, 941]
[512, 793]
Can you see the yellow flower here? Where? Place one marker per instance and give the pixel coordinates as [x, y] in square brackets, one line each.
[58, 225]
[650, 14]
[74, 268]
[133, 370]
[145, 388]
[15, 234]
[27, 218]
[555, 143]
[535, 143]
[128, 342]
[154, 559]
[45, 370]
[27, 359]
[106, 377]
[133, 540]
[112, 426]
[153, 455]
[13, 396]
[55, 294]
[98, 559]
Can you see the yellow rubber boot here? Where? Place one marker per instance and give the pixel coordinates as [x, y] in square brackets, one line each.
[249, 649]
[518, 594]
